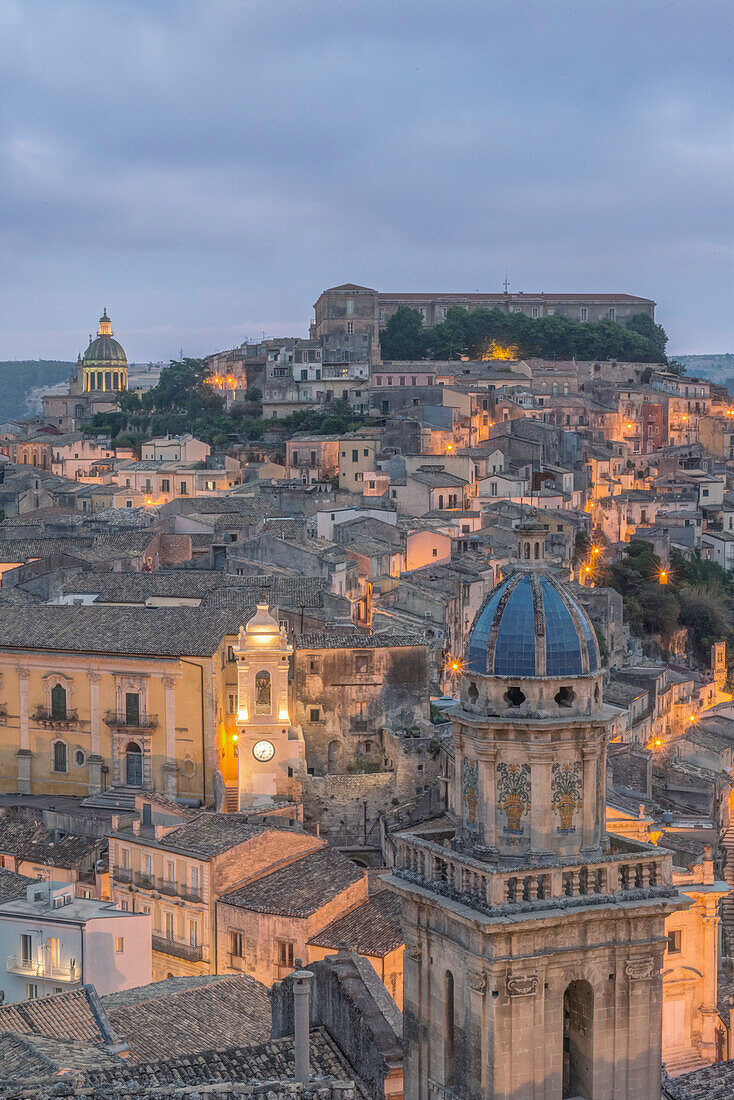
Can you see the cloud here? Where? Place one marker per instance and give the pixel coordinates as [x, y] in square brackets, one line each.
[206, 167]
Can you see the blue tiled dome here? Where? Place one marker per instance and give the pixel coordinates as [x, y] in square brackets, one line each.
[531, 626]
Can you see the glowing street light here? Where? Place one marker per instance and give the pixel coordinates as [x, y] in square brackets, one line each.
[663, 577]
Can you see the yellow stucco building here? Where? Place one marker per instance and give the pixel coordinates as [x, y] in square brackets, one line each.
[94, 697]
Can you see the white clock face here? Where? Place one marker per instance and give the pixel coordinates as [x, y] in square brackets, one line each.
[263, 751]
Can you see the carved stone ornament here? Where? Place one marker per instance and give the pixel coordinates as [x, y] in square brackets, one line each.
[477, 980]
[639, 969]
[414, 953]
[522, 985]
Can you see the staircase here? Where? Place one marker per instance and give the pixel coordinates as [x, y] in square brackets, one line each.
[727, 903]
[117, 799]
[231, 798]
[678, 1062]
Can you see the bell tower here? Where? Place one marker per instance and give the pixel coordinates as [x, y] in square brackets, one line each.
[271, 751]
[534, 940]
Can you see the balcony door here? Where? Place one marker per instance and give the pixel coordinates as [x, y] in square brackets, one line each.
[132, 708]
[26, 950]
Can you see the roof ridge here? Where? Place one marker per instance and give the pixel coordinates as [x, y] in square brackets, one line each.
[102, 1020]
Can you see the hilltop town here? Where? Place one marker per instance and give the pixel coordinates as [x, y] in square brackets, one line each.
[359, 687]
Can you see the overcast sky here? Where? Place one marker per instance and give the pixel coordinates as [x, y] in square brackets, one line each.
[204, 168]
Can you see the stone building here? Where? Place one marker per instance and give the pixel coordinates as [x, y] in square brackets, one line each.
[357, 312]
[266, 924]
[350, 686]
[534, 939]
[175, 867]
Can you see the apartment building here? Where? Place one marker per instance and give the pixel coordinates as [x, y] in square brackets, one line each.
[174, 868]
[53, 941]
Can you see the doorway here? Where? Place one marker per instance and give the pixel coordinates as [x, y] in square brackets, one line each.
[133, 765]
[578, 1041]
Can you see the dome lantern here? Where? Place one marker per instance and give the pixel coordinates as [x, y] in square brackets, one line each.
[104, 364]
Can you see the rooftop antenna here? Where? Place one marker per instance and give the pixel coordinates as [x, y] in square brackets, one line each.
[182, 355]
[506, 282]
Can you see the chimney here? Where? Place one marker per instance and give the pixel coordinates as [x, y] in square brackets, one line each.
[301, 1020]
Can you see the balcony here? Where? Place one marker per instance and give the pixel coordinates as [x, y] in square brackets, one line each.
[180, 950]
[166, 886]
[122, 720]
[18, 964]
[631, 868]
[55, 719]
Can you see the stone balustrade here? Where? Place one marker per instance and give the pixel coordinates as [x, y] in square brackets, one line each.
[629, 866]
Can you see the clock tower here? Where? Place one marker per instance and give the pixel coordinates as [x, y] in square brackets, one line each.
[271, 751]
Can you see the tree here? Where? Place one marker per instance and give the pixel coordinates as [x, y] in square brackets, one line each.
[655, 335]
[448, 339]
[403, 336]
[676, 367]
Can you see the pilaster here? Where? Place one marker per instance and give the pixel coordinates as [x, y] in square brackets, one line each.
[170, 768]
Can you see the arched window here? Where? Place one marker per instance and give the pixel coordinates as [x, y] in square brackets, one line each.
[59, 756]
[527, 550]
[58, 702]
[133, 764]
[115, 380]
[449, 1029]
[537, 550]
[263, 693]
[108, 379]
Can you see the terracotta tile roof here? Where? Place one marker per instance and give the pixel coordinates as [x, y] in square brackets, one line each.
[300, 888]
[13, 886]
[207, 834]
[29, 840]
[371, 929]
[182, 1021]
[269, 1060]
[333, 639]
[712, 1083]
[24, 1056]
[77, 1014]
[161, 631]
[514, 296]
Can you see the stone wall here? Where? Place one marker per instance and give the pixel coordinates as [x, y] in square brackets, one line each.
[348, 999]
[348, 808]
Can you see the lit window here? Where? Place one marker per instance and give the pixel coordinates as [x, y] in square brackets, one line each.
[674, 943]
[119, 944]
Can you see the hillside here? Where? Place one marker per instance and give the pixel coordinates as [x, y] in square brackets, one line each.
[23, 381]
[717, 368]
